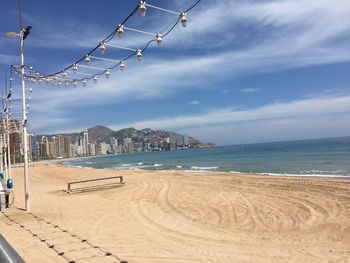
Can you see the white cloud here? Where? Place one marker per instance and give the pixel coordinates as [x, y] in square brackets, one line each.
[194, 102]
[325, 116]
[307, 108]
[249, 90]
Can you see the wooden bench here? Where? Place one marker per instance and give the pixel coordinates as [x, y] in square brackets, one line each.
[70, 183]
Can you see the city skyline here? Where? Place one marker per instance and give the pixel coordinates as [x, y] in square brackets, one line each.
[80, 144]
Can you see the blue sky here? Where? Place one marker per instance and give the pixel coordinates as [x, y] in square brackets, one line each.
[240, 72]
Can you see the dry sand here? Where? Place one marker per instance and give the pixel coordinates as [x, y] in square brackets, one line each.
[179, 217]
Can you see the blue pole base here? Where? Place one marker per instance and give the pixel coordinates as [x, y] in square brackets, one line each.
[1, 176]
[9, 184]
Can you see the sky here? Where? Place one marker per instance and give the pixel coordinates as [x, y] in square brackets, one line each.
[240, 72]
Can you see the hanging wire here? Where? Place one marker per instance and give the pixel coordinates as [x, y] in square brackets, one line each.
[35, 74]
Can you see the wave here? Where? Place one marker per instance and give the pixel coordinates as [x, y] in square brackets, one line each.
[157, 164]
[204, 167]
[322, 172]
[307, 175]
[80, 167]
[292, 175]
[143, 166]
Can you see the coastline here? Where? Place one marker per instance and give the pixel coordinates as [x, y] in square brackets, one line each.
[64, 163]
[175, 216]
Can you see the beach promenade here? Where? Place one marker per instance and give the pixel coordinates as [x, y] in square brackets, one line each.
[166, 216]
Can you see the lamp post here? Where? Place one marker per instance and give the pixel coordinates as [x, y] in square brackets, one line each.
[24, 32]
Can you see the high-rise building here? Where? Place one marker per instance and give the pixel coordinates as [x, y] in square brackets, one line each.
[46, 147]
[103, 148]
[172, 142]
[72, 152]
[186, 139]
[59, 139]
[85, 143]
[128, 145]
[66, 146]
[15, 141]
[52, 148]
[114, 143]
[30, 145]
[79, 147]
[92, 149]
[179, 140]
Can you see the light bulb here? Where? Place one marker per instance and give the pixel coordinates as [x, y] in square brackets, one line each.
[108, 73]
[10, 79]
[87, 59]
[66, 82]
[139, 54]
[120, 30]
[94, 78]
[29, 98]
[47, 81]
[28, 106]
[64, 74]
[142, 7]
[75, 83]
[159, 39]
[184, 19]
[55, 78]
[75, 68]
[122, 65]
[102, 48]
[84, 82]
[30, 90]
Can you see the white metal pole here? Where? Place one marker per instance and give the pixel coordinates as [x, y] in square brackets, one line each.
[5, 152]
[8, 145]
[2, 142]
[24, 125]
[2, 148]
[2, 158]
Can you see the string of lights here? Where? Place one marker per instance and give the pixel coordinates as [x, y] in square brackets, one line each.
[9, 101]
[73, 74]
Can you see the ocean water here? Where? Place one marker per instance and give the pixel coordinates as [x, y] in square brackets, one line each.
[320, 157]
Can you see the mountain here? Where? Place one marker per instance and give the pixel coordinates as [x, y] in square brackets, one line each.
[98, 134]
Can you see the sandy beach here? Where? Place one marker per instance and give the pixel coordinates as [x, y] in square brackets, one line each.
[179, 217]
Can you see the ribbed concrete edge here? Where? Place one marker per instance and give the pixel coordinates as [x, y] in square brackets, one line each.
[7, 253]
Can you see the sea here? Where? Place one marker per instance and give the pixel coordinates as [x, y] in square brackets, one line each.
[318, 157]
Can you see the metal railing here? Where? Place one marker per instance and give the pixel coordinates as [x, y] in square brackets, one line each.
[7, 253]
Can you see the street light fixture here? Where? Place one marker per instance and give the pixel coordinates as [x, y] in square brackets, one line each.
[12, 34]
[23, 34]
